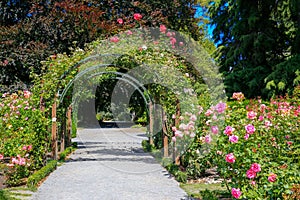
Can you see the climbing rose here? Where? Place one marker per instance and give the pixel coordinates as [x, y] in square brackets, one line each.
[251, 114]
[230, 158]
[207, 139]
[250, 174]
[236, 192]
[120, 21]
[255, 167]
[162, 28]
[233, 138]
[246, 137]
[250, 128]
[220, 107]
[26, 94]
[238, 96]
[193, 118]
[214, 129]
[272, 177]
[1, 157]
[114, 39]
[137, 16]
[228, 130]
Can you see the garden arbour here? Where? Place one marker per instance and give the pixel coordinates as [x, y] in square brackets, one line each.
[158, 63]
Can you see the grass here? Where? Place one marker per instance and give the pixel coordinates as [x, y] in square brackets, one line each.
[200, 190]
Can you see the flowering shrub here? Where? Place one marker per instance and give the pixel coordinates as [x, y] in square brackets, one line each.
[256, 153]
[24, 139]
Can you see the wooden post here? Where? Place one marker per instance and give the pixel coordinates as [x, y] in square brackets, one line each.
[54, 131]
[177, 121]
[151, 123]
[164, 134]
[69, 126]
[62, 136]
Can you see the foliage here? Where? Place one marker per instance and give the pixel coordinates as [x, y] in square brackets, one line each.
[257, 148]
[31, 31]
[39, 175]
[253, 37]
[63, 155]
[283, 79]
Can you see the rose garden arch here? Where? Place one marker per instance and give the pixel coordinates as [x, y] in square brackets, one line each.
[103, 57]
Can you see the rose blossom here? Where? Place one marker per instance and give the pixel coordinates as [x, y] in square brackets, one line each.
[162, 28]
[114, 39]
[250, 174]
[233, 138]
[230, 158]
[1, 157]
[250, 128]
[236, 192]
[228, 130]
[255, 167]
[120, 21]
[137, 16]
[251, 114]
[246, 137]
[220, 107]
[207, 139]
[272, 177]
[214, 129]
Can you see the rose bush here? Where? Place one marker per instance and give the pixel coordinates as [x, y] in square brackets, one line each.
[257, 151]
[24, 139]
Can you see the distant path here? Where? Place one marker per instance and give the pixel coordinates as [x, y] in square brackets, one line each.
[110, 164]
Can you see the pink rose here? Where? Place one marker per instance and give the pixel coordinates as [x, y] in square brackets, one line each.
[220, 107]
[246, 137]
[268, 123]
[24, 148]
[137, 16]
[251, 114]
[1, 157]
[114, 39]
[207, 139]
[162, 28]
[174, 129]
[129, 32]
[120, 21]
[250, 174]
[173, 139]
[250, 128]
[236, 192]
[180, 43]
[253, 183]
[193, 118]
[233, 138]
[228, 130]
[255, 167]
[29, 147]
[230, 158]
[272, 177]
[214, 129]
[172, 40]
[208, 112]
[261, 118]
[238, 96]
[26, 94]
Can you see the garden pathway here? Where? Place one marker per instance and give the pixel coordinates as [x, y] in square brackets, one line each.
[110, 164]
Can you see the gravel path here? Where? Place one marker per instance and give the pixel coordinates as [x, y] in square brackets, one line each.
[110, 164]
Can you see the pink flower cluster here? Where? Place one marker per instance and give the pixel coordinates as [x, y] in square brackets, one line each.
[17, 161]
[230, 158]
[236, 192]
[251, 173]
[238, 96]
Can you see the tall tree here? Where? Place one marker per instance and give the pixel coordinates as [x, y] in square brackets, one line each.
[253, 37]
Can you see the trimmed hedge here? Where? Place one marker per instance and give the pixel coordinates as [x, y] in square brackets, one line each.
[36, 177]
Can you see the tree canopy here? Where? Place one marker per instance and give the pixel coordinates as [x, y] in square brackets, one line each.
[31, 31]
[254, 37]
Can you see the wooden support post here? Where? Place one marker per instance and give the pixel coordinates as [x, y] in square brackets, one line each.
[69, 126]
[54, 131]
[62, 135]
[164, 134]
[151, 123]
[176, 158]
